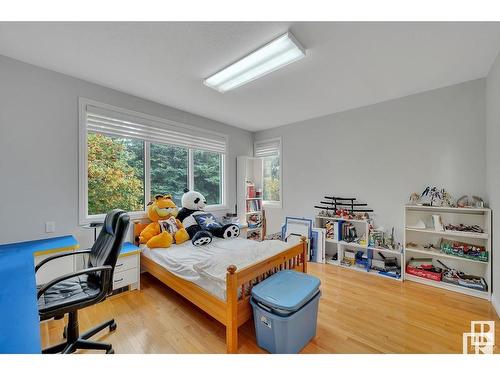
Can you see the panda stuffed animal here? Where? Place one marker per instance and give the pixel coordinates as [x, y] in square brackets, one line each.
[200, 225]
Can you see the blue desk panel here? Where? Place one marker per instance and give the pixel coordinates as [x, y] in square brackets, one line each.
[128, 247]
[19, 321]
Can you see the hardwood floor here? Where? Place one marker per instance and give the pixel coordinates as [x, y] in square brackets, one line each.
[358, 313]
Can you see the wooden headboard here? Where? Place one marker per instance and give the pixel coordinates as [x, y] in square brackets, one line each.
[138, 227]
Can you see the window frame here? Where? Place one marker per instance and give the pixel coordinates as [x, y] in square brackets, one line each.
[83, 216]
[272, 204]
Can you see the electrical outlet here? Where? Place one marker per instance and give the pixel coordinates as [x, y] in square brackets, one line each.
[50, 227]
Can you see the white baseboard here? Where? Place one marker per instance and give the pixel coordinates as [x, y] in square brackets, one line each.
[496, 304]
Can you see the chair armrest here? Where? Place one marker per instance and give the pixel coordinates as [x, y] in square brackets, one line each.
[60, 255]
[105, 269]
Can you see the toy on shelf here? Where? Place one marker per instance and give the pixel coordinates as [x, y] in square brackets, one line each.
[349, 233]
[361, 259]
[363, 241]
[464, 250]
[433, 196]
[464, 228]
[346, 208]
[414, 198]
[438, 223]
[254, 221]
[432, 193]
[349, 259]
[472, 202]
[446, 199]
[387, 265]
[456, 277]
[330, 229]
[378, 238]
[423, 267]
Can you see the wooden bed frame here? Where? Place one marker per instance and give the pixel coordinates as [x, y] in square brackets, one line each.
[236, 310]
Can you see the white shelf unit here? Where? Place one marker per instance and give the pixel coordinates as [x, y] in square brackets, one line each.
[424, 237]
[249, 169]
[334, 246]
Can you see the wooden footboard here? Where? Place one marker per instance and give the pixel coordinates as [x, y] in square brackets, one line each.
[236, 310]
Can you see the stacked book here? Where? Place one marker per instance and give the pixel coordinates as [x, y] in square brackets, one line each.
[250, 191]
[254, 205]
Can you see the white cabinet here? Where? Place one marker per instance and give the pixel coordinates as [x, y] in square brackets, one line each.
[424, 233]
[249, 192]
[126, 275]
[127, 271]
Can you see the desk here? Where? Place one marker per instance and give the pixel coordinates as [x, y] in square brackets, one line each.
[19, 322]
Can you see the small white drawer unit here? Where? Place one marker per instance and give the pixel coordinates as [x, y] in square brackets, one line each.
[127, 269]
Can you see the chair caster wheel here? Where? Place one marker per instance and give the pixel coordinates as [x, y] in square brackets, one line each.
[110, 351]
[112, 327]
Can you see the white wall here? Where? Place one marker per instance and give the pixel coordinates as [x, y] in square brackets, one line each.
[492, 168]
[39, 148]
[382, 153]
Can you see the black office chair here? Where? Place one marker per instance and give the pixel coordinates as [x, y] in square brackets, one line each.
[72, 292]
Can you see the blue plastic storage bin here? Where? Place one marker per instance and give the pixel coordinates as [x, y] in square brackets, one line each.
[285, 310]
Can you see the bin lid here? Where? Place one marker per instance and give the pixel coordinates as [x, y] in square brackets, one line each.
[287, 290]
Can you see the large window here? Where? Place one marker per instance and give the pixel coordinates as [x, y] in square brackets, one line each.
[127, 158]
[270, 152]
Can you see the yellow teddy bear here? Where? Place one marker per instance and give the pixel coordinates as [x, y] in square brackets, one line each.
[165, 229]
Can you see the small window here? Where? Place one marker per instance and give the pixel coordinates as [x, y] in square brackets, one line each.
[270, 152]
[271, 180]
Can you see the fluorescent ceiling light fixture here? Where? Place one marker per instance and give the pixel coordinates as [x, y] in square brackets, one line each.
[274, 55]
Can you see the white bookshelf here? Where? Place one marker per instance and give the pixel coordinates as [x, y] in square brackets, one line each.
[425, 236]
[334, 246]
[249, 169]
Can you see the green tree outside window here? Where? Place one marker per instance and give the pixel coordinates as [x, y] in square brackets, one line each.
[271, 174]
[115, 174]
[207, 175]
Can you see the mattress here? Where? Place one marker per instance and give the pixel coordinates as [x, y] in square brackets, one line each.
[203, 265]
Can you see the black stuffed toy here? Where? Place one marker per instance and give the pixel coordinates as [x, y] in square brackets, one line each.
[200, 225]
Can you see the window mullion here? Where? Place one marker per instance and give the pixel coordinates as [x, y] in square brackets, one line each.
[147, 173]
[191, 169]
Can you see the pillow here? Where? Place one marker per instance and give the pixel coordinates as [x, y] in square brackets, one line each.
[207, 221]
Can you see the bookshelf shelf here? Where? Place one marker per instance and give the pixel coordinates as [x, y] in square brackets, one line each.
[437, 253]
[340, 219]
[483, 236]
[447, 286]
[249, 196]
[416, 238]
[341, 248]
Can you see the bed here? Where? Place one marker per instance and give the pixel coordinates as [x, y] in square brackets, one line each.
[229, 303]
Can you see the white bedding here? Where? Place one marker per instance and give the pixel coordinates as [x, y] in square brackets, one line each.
[206, 265]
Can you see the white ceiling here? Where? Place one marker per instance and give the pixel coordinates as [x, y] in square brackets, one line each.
[348, 65]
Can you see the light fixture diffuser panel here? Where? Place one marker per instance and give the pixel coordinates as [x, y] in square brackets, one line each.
[274, 55]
